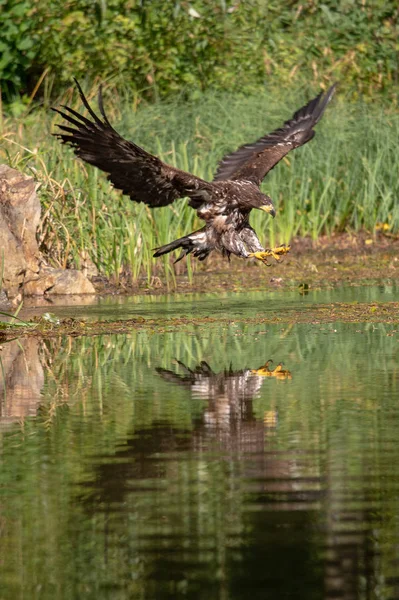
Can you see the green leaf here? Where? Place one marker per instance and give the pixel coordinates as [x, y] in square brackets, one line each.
[25, 44]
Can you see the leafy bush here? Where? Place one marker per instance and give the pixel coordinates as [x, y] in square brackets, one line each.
[17, 51]
[160, 48]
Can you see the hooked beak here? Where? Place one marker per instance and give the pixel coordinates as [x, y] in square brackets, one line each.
[269, 208]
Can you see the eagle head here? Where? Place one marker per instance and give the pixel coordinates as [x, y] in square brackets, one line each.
[265, 203]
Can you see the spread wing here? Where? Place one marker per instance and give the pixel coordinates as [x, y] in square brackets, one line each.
[254, 161]
[139, 174]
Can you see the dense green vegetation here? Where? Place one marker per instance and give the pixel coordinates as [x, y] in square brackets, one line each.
[191, 81]
[160, 48]
[345, 179]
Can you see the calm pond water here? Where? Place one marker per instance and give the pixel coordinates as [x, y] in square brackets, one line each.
[185, 465]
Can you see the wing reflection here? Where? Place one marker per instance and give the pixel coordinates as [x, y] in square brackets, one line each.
[204, 383]
[228, 392]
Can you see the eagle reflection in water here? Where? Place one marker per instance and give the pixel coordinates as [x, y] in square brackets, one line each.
[228, 392]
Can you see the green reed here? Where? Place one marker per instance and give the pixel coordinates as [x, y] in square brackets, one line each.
[346, 179]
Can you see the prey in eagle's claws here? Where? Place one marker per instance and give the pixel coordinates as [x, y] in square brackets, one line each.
[276, 253]
[223, 204]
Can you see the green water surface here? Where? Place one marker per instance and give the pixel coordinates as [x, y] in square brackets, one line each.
[170, 465]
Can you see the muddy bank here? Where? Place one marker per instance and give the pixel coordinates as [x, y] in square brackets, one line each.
[330, 262]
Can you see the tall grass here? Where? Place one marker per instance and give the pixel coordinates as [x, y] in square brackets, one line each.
[344, 179]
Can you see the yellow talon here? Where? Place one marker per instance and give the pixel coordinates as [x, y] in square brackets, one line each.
[276, 253]
[278, 372]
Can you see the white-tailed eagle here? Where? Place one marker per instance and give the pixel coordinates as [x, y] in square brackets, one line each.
[224, 203]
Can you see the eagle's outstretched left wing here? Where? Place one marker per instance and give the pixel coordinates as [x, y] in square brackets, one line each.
[253, 161]
[139, 174]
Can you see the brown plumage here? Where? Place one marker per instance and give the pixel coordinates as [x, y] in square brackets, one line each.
[224, 204]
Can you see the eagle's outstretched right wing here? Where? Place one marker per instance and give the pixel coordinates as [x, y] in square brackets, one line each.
[139, 174]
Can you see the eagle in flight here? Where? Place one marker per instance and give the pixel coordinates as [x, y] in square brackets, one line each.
[224, 204]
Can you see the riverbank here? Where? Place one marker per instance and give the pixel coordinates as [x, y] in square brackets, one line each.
[336, 263]
[340, 260]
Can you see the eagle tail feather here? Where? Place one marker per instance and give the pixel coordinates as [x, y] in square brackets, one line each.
[194, 242]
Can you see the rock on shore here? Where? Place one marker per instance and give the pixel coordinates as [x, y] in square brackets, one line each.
[21, 263]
